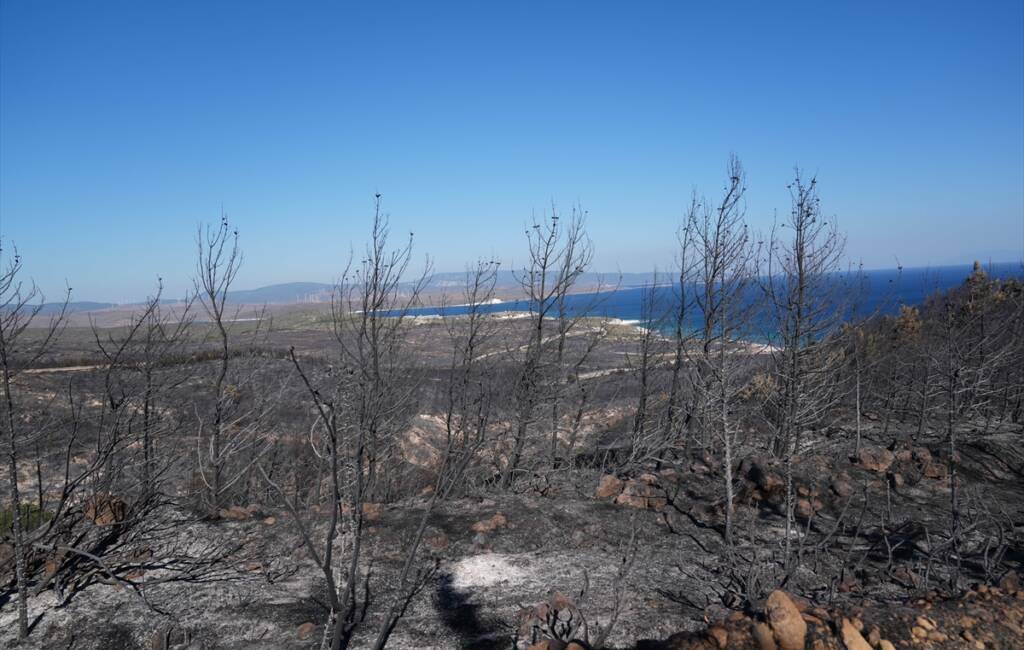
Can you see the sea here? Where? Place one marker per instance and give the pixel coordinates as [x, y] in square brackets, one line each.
[864, 293]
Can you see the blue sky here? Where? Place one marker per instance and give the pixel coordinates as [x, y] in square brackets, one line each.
[124, 125]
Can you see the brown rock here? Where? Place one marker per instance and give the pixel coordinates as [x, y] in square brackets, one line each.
[609, 486]
[575, 645]
[236, 513]
[631, 500]
[104, 510]
[1010, 583]
[487, 525]
[885, 644]
[371, 512]
[788, 626]
[922, 455]
[875, 459]
[935, 470]
[874, 636]
[636, 494]
[804, 509]
[842, 485]
[763, 635]
[305, 631]
[270, 521]
[764, 478]
[852, 637]
[720, 636]
[438, 542]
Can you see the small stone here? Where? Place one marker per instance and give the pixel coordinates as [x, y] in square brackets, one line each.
[842, 485]
[852, 637]
[270, 521]
[934, 470]
[804, 509]
[487, 525]
[609, 486]
[371, 512]
[919, 632]
[764, 637]
[885, 644]
[875, 459]
[1010, 583]
[785, 620]
[874, 636]
[720, 636]
[305, 631]
[925, 623]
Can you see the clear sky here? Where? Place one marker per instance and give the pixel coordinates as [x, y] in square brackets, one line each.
[125, 124]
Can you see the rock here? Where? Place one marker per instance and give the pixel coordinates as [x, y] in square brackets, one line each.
[852, 637]
[922, 455]
[609, 486]
[305, 630]
[371, 512]
[576, 645]
[437, 541]
[875, 459]
[896, 480]
[720, 636]
[487, 525]
[764, 478]
[763, 635]
[104, 510]
[842, 485]
[636, 494]
[787, 625]
[885, 644]
[804, 509]
[631, 500]
[270, 521]
[1010, 583]
[874, 636]
[236, 513]
[934, 470]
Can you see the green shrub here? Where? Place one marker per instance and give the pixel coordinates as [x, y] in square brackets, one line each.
[31, 517]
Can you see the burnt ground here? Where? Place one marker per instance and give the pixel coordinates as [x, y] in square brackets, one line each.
[557, 536]
[873, 528]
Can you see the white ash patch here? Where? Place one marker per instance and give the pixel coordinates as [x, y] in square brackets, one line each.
[486, 570]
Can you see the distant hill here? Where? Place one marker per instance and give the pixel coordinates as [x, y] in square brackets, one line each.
[75, 307]
[289, 292]
[313, 292]
[507, 279]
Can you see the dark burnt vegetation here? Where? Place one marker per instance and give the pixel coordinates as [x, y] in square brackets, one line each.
[502, 479]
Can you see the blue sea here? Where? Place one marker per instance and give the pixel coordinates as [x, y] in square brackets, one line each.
[871, 292]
